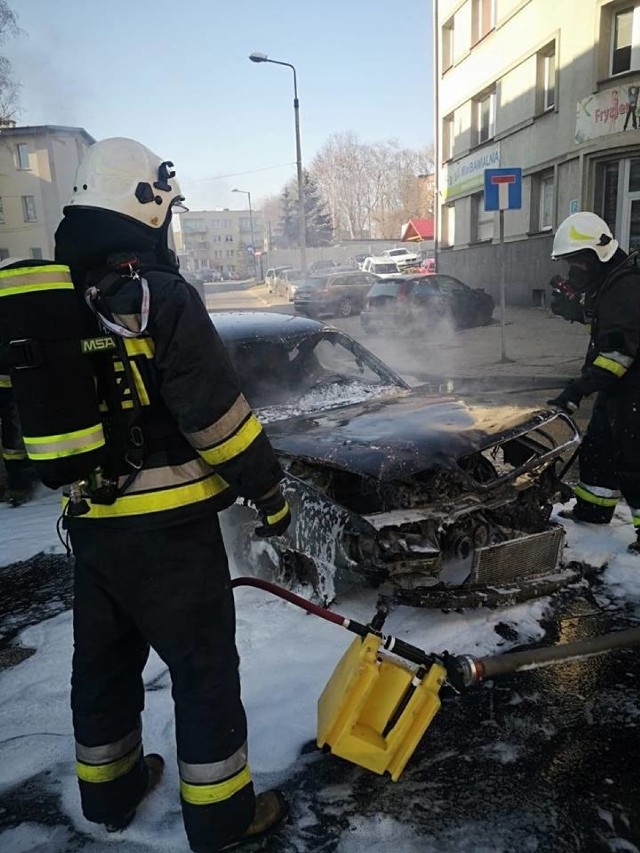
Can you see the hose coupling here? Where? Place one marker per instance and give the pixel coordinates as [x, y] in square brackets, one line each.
[463, 671]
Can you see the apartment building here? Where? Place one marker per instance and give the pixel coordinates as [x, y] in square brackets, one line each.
[37, 168]
[221, 240]
[550, 86]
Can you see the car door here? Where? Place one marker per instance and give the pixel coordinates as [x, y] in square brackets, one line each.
[459, 299]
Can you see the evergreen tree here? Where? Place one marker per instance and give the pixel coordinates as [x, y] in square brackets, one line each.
[318, 219]
[288, 227]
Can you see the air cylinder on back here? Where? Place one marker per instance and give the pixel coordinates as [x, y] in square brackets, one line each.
[53, 382]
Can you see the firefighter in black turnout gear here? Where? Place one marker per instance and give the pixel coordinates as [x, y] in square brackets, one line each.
[151, 569]
[604, 291]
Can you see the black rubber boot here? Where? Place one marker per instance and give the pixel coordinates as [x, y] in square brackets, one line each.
[155, 769]
[272, 810]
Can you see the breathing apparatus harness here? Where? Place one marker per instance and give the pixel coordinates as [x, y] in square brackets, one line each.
[123, 429]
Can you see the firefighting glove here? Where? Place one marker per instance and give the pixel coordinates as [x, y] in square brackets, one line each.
[274, 514]
[568, 400]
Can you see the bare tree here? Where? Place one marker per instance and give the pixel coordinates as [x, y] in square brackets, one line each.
[372, 189]
[9, 89]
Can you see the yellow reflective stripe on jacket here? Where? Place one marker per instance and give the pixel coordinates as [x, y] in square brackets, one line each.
[609, 364]
[108, 772]
[5, 381]
[204, 795]
[140, 346]
[225, 426]
[66, 444]
[165, 499]
[13, 455]
[29, 279]
[235, 445]
[589, 497]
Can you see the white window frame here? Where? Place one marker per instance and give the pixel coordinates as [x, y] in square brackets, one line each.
[545, 182]
[549, 80]
[28, 207]
[634, 59]
[477, 16]
[483, 221]
[448, 137]
[448, 45]
[22, 156]
[477, 106]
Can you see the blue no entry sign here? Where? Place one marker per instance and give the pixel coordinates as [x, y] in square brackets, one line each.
[502, 189]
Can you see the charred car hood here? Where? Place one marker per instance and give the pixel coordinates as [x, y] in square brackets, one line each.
[401, 436]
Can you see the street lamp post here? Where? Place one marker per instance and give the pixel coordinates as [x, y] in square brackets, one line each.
[302, 225]
[253, 242]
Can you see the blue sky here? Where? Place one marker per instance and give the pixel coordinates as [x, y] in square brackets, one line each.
[176, 77]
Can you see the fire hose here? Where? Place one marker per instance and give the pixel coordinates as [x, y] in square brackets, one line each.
[463, 671]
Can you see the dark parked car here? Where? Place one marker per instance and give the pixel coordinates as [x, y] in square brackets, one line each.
[419, 301]
[340, 293]
[442, 499]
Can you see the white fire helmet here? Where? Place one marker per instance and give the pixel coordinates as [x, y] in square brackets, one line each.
[582, 231]
[123, 176]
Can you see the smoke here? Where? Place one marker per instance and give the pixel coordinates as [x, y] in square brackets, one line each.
[418, 352]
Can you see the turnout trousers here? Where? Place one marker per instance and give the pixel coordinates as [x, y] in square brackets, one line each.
[170, 589]
[610, 459]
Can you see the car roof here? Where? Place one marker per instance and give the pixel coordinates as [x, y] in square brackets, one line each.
[246, 325]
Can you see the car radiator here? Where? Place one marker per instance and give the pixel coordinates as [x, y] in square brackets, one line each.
[518, 559]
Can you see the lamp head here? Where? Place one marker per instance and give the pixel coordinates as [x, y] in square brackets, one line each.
[256, 56]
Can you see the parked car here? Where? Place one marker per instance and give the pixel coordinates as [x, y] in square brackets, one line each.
[446, 500]
[382, 267]
[421, 301]
[340, 293]
[403, 257]
[322, 264]
[287, 283]
[271, 277]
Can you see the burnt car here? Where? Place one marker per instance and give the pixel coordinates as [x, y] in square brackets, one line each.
[417, 302]
[440, 500]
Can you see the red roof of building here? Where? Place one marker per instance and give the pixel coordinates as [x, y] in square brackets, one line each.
[417, 229]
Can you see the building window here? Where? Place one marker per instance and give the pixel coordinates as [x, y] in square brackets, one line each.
[29, 208]
[622, 39]
[1, 212]
[448, 138]
[23, 155]
[606, 191]
[542, 199]
[484, 108]
[448, 220]
[483, 18]
[230, 253]
[546, 99]
[447, 45]
[228, 238]
[481, 220]
[36, 254]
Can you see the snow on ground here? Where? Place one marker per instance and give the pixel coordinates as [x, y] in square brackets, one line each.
[287, 657]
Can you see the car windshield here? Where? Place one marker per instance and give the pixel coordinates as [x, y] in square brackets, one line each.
[381, 269]
[393, 252]
[282, 378]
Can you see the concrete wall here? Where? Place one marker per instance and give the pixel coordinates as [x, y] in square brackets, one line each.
[526, 264]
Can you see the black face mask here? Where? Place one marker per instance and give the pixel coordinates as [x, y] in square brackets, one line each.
[584, 280]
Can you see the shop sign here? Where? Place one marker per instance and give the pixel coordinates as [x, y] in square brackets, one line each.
[467, 175]
[610, 111]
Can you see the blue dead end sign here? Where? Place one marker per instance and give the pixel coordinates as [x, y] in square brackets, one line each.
[502, 189]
